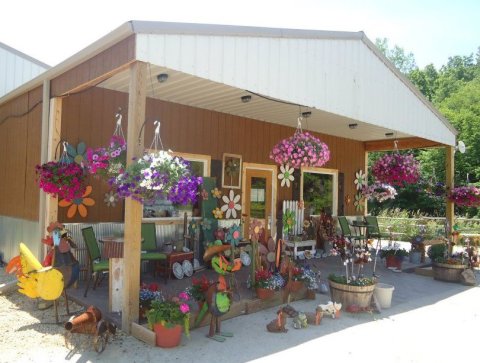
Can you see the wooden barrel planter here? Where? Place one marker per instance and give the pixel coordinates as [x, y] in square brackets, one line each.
[447, 272]
[351, 295]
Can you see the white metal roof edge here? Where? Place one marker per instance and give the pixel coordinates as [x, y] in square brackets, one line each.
[159, 27]
[408, 83]
[23, 55]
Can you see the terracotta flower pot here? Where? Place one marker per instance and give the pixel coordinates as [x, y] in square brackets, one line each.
[296, 286]
[394, 261]
[264, 294]
[167, 337]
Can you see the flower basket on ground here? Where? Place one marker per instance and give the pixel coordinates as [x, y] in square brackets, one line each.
[465, 196]
[61, 179]
[393, 256]
[167, 318]
[267, 283]
[353, 288]
[301, 149]
[396, 169]
[155, 176]
[447, 267]
[199, 288]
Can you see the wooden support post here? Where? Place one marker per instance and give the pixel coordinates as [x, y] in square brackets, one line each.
[133, 209]
[449, 183]
[365, 210]
[52, 133]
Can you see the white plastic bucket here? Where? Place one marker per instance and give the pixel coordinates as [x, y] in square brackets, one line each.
[383, 293]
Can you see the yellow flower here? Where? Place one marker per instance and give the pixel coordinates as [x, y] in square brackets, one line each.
[79, 204]
[217, 213]
[216, 193]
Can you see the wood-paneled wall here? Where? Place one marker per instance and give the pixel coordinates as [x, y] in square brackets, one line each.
[19, 153]
[89, 117]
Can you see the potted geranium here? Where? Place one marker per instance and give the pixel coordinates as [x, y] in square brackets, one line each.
[267, 283]
[353, 288]
[396, 169]
[167, 318]
[393, 256]
[198, 290]
[155, 176]
[465, 196]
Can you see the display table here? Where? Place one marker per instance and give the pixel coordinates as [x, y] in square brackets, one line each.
[172, 258]
[310, 244]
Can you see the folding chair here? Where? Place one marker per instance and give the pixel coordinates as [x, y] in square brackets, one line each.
[373, 231]
[149, 248]
[96, 266]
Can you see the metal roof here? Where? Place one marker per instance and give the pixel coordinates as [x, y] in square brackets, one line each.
[340, 77]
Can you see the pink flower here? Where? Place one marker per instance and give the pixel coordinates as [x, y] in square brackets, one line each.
[184, 308]
[183, 296]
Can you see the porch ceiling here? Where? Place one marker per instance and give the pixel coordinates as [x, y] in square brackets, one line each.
[186, 89]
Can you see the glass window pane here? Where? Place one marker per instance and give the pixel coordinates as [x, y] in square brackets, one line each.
[318, 193]
[257, 197]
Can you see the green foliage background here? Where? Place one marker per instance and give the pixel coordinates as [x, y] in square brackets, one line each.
[454, 90]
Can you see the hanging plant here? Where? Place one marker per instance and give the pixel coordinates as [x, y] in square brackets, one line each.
[108, 161]
[158, 176]
[286, 175]
[61, 179]
[78, 204]
[301, 149]
[396, 169]
[379, 191]
[465, 196]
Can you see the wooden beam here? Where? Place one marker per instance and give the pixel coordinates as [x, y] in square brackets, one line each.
[402, 144]
[50, 204]
[133, 209]
[449, 183]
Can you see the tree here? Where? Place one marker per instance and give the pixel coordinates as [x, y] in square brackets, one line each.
[404, 62]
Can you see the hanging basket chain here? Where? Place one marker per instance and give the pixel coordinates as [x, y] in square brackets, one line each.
[157, 140]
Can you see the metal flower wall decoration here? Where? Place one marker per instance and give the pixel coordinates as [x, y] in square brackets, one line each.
[111, 199]
[231, 205]
[233, 235]
[360, 179]
[78, 204]
[286, 175]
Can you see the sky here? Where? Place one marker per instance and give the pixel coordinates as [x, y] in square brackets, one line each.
[433, 30]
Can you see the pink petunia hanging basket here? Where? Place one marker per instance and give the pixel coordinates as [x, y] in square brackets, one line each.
[302, 149]
[465, 196]
[396, 169]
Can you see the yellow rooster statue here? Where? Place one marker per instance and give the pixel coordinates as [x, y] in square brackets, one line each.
[34, 280]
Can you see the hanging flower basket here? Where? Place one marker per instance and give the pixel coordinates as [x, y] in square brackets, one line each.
[60, 179]
[379, 192]
[108, 161]
[302, 149]
[158, 176]
[396, 169]
[465, 196]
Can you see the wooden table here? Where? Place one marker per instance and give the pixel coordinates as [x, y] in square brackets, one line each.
[176, 256]
[295, 245]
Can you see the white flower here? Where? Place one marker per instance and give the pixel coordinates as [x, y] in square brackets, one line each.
[231, 206]
[286, 175]
[360, 179]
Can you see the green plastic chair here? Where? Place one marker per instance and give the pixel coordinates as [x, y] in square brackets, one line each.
[345, 227]
[96, 266]
[373, 231]
[149, 247]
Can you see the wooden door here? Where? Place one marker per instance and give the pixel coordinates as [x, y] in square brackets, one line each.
[258, 200]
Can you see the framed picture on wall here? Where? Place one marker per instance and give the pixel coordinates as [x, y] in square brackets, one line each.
[232, 171]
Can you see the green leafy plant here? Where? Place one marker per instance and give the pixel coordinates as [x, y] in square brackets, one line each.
[437, 253]
[171, 312]
[359, 281]
[394, 250]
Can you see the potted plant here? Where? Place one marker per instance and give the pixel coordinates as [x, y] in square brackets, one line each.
[447, 267]
[198, 290]
[267, 283]
[465, 196]
[167, 318]
[393, 256]
[61, 179]
[298, 277]
[155, 176]
[396, 169]
[353, 288]
[108, 161]
[148, 294]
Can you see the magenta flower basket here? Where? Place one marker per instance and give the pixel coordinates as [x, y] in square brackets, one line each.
[302, 149]
[465, 196]
[396, 169]
[62, 180]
